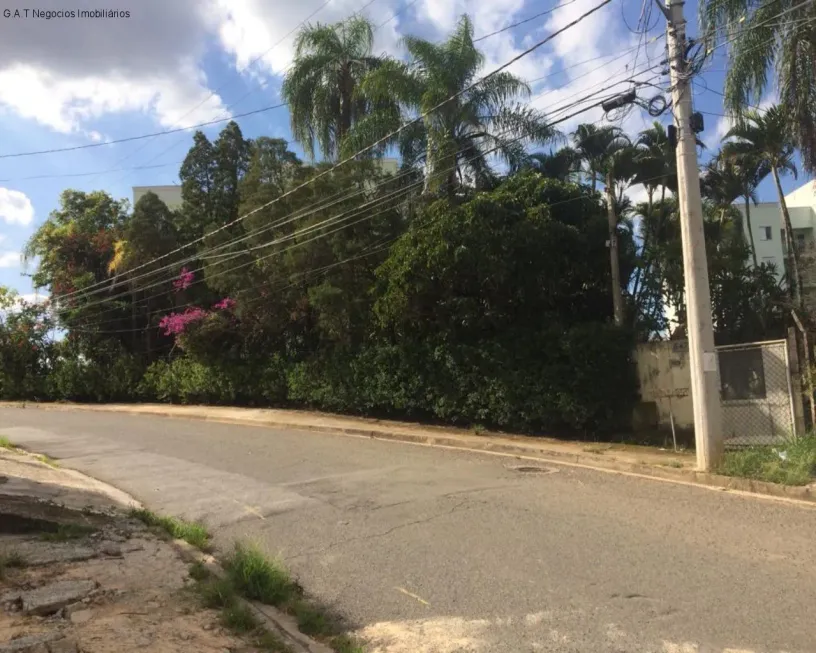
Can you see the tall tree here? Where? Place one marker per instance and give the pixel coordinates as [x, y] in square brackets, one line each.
[770, 43]
[464, 122]
[608, 155]
[562, 164]
[767, 136]
[321, 87]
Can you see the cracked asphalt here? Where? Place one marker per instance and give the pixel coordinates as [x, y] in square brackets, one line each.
[428, 550]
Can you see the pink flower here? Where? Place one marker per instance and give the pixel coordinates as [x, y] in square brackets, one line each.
[185, 279]
[226, 304]
[176, 323]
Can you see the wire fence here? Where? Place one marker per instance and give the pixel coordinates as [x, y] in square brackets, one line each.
[756, 392]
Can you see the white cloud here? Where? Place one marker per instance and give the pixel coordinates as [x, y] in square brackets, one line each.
[64, 73]
[15, 207]
[10, 259]
[253, 30]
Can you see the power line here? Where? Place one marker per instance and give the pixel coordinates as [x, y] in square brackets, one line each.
[337, 219]
[141, 136]
[526, 20]
[382, 140]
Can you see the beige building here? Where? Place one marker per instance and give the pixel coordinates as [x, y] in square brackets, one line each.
[769, 232]
[170, 195]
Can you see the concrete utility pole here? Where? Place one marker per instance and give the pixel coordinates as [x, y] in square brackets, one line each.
[705, 377]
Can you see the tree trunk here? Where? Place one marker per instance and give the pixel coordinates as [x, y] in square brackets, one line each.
[617, 295]
[795, 278]
[346, 93]
[750, 229]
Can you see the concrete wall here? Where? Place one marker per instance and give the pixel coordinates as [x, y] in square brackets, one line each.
[665, 381]
[170, 195]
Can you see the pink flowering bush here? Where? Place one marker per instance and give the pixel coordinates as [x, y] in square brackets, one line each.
[176, 323]
[226, 304]
[185, 280]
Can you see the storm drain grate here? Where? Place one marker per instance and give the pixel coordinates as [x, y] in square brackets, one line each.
[533, 469]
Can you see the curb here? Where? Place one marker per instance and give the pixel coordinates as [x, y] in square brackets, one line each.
[272, 618]
[484, 444]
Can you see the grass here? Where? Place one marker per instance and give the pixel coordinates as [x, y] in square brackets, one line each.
[10, 560]
[193, 533]
[47, 460]
[252, 575]
[66, 532]
[220, 594]
[793, 463]
[258, 578]
[5, 443]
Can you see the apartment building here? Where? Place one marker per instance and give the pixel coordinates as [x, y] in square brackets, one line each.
[769, 232]
[171, 195]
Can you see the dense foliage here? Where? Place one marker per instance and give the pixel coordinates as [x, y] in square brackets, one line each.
[484, 297]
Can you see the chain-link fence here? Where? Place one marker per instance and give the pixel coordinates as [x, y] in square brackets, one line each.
[756, 393]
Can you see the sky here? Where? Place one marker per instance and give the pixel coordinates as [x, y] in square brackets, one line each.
[160, 65]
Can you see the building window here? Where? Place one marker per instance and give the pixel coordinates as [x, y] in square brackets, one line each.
[765, 233]
[742, 374]
[800, 242]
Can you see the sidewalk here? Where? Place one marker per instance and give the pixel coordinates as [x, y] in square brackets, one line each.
[76, 574]
[651, 462]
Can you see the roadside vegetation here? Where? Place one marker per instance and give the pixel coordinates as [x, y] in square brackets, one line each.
[10, 560]
[193, 533]
[452, 291]
[5, 443]
[791, 464]
[253, 576]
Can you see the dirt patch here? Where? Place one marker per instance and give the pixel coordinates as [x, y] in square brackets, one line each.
[126, 592]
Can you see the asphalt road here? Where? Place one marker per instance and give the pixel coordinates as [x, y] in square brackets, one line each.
[436, 551]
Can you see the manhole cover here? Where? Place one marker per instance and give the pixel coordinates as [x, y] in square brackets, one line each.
[533, 469]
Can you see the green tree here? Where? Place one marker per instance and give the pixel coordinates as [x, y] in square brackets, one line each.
[562, 164]
[321, 87]
[771, 43]
[767, 137]
[453, 140]
[608, 155]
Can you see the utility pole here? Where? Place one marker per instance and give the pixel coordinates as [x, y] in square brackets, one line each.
[705, 377]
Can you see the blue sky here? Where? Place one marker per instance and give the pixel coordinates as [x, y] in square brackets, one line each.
[70, 81]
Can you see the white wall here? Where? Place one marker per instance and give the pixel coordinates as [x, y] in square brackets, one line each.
[768, 214]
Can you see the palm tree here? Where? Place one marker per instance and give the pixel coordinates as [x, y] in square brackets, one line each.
[656, 163]
[727, 179]
[321, 87]
[767, 137]
[562, 165]
[462, 123]
[608, 154]
[764, 35]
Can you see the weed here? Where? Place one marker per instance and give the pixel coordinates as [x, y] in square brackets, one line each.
[793, 463]
[674, 463]
[199, 571]
[216, 593]
[310, 619]
[239, 618]
[270, 642]
[191, 532]
[10, 560]
[597, 450]
[67, 532]
[479, 429]
[259, 578]
[43, 458]
[5, 443]
[346, 644]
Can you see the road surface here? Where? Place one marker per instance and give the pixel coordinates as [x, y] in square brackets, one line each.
[429, 550]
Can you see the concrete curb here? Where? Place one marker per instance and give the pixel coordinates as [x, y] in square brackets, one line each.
[273, 619]
[533, 450]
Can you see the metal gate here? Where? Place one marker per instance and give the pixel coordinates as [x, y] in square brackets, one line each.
[756, 393]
